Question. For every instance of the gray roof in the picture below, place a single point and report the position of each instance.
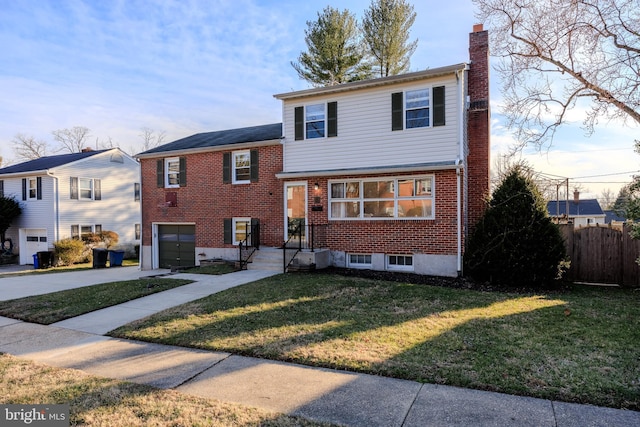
(220, 138)
(582, 207)
(48, 162)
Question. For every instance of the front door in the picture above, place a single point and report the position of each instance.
(176, 245)
(295, 211)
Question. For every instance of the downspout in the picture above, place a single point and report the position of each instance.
(459, 163)
(56, 206)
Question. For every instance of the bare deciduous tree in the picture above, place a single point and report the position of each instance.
(72, 140)
(559, 54)
(26, 147)
(151, 138)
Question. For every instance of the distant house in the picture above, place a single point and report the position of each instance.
(70, 195)
(612, 217)
(580, 211)
(393, 170)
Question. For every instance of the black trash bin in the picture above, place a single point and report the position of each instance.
(45, 259)
(115, 258)
(100, 257)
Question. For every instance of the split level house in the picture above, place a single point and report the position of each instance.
(383, 174)
(69, 195)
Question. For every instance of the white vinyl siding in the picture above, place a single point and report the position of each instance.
(365, 138)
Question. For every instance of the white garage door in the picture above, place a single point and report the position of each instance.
(32, 240)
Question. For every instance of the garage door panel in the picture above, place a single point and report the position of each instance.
(176, 245)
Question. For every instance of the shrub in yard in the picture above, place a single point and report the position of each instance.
(515, 243)
(69, 251)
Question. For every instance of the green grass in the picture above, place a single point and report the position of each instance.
(57, 306)
(579, 345)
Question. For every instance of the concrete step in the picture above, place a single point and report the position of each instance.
(266, 258)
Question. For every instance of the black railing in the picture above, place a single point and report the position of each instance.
(303, 236)
(249, 244)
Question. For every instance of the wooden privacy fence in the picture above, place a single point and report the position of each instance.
(602, 254)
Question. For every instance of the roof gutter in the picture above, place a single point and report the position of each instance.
(373, 170)
(210, 149)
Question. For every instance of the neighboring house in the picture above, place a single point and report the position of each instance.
(612, 217)
(581, 212)
(70, 195)
(394, 170)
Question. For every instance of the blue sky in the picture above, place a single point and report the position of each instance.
(184, 67)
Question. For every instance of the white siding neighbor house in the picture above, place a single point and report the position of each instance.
(70, 195)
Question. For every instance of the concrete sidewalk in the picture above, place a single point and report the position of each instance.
(343, 398)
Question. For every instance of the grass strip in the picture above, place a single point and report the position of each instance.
(56, 306)
(96, 401)
(578, 345)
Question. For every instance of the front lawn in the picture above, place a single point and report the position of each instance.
(57, 306)
(579, 345)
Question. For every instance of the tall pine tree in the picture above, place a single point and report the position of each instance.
(335, 50)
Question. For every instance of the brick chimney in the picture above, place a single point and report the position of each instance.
(478, 126)
(576, 197)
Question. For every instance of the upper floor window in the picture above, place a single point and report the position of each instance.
(418, 108)
(404, 197)
(85, 189)
(316, 121)
(32, 188)
(172, 169)
(171, 172)
(240, 167)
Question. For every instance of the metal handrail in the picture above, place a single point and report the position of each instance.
(250, 245)
(297, 232)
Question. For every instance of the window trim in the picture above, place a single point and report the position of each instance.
(361, 199)
(167, 172)
(437, 108)
(234, 168)
(396, 267)
(236, 220)
(330, 120)
(363, 265)
(81, 188)
(323, 120)
(34, 189)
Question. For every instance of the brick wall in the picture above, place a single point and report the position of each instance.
(478, 125)
(401, 236)
(206, 201)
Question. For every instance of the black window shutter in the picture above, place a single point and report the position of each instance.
(254, 166)
(160, 173)
(396, 111)
(24, 189)
(332, 122)
(136, 191)
(39, 188)
(183, 171)
(228, 231)
(226, 168)
(73, 187)
(438, 106)
(299, 123)
(255, 232)
(1, 188)
(97, 189)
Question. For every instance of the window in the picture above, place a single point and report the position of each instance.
(400, 262)
(98, 228)
(85, 230)
(405, 197)
(32, 190)
(172, 172)
(241, 167)
(75, 231)
(316, 121)
(359, 261)
(241, 226)
(136, 191)
(136, 231)
(86, 188)
(418, 108)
